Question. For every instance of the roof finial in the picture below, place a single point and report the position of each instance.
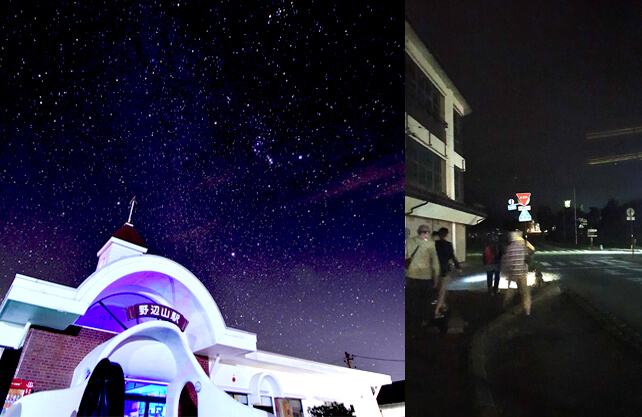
(131, 209)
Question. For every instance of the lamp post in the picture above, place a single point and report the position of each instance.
(567, 204)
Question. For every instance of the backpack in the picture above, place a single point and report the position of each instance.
(489, 255)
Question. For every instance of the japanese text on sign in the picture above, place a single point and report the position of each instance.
(158, 311)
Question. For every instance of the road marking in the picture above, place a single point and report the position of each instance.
(614, 272)
(545, 263)
(568, 268)
(635, 279)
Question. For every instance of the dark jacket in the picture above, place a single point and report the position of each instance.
(445, 253)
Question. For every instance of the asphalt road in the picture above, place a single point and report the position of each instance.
(610, 280)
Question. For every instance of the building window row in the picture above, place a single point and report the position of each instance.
(423, 91)
(458, 142)
(424, 168)
(292, 406)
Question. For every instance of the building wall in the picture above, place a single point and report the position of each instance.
(312, 389)
(459, 241)
(453, 101)
(49, 358)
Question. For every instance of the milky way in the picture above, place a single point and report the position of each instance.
(262, 141)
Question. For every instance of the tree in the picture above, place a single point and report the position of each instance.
(612, 224)
(594, 217)
(546, 218)
(332, 409)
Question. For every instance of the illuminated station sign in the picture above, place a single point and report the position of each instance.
(157, 311)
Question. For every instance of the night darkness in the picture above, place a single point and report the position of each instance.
(539, 76)
(263, 143)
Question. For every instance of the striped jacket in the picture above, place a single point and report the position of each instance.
(514, 259)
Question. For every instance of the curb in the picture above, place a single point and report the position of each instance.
(484, 401)
(607, 321)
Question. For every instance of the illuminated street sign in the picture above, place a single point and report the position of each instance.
(524, 198)
(511, 204)
(525, 216)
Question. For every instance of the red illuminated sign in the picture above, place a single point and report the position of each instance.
(19, 388)
(157, 311)
(524, 198)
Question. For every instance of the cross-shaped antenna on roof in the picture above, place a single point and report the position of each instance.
(131, 209)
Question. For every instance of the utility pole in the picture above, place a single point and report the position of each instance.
(348, 359)
(564, 214)
(575, 214)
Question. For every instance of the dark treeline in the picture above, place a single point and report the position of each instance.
(558, 226)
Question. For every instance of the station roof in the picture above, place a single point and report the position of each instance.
(129, 234)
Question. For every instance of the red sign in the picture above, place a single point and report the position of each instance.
(19, 388)
(524, 198)
(22, 384)
(158, 311)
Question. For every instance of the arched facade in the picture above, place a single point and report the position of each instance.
(159, 323)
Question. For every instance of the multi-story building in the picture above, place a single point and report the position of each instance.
(435, 164)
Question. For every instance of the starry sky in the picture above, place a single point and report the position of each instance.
(261, 139)
(539, 77)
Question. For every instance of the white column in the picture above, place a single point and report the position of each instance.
(450, 143)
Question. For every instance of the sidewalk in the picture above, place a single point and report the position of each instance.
(438, 377)
(560, 361)
(557, 362)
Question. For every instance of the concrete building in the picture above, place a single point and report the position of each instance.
(435, 164)
(149, 323)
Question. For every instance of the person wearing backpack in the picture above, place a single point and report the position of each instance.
(491, 258)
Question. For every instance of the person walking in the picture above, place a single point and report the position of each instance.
(422, 270)
(491, 259)
(446, 255)
(515, 268)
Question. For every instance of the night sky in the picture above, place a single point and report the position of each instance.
(539, 76)
(263, 143)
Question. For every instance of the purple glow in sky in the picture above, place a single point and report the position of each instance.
(258, 139)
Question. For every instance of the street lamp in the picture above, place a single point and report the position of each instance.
(567, 204)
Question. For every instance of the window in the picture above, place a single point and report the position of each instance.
(424, 91)
(297, 408)
(266, 404)
(289, 407)
(144, 398)
(242, 398)
(424, 168)
(459, 147)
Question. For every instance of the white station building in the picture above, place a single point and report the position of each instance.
(156, 321)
